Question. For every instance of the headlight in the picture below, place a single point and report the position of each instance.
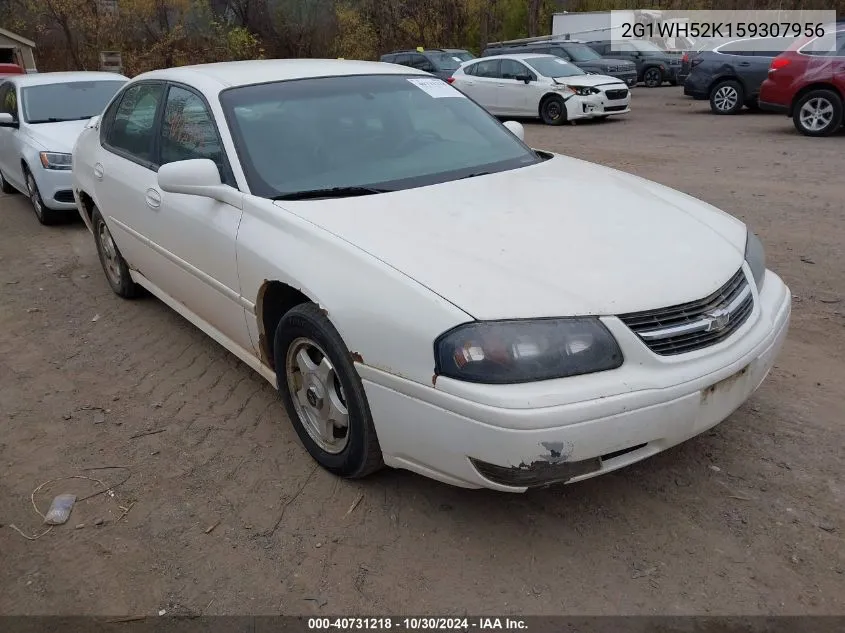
(583, 91)
(755, 255)
(500, 352)
(55, 160)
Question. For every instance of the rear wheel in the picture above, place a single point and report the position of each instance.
(323, 394)
(115, 267)
(553, 110)
(45, 216)
(653, 77)
(726, 97)
(818, 113)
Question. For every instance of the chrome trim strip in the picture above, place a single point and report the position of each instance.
(702, 325)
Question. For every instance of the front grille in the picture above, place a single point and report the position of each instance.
(614, 108)
(65, 195)
(613, 95)
(697, 324)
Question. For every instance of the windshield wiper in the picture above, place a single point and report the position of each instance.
(333, 192)
(51, 120)
(473, 175)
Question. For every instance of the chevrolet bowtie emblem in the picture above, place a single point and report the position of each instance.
(717, 320)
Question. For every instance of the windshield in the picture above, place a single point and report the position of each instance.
(464, 56)
(580, 52)
(381, 131)
(445, 61)
(66, 101)
(553, 67)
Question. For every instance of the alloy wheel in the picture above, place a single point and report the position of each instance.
(816, 114)
(726, 98)
(652, 78)
(110, 256)
(34, 195)
(317, 395)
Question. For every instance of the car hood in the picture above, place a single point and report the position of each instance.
(57, 137)
(589, 80)
(563, 237)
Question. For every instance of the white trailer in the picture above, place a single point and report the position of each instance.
(609, 25)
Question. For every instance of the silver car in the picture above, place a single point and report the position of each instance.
(41, 116)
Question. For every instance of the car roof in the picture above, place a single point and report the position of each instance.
(223, 75)
(41, 79)
(517, 56)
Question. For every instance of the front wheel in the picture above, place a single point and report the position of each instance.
(653, 78)
(115, 267)
(553, 110)
(818, 113)
(323, 394)
(45, 215)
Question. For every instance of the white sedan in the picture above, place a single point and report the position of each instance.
(425, 290)
(541, 86)
(40, 117)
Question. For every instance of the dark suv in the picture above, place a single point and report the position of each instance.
(441, 62)
(730, 75)
(573, 51)
(654, 65)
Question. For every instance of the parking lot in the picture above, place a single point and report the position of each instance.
(223, 511)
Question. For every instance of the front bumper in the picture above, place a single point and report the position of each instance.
(629, 77)
(454, 438)
(595, 106)
(56, 188)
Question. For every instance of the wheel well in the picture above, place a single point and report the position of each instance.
(810, 88)
(275, 299)
(87, 205)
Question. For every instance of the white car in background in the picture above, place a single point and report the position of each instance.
(40, 117)
(544, 86)
(425, 290)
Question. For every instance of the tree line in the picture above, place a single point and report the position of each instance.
(158, 33)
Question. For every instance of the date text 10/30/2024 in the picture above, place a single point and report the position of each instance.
(417, 624)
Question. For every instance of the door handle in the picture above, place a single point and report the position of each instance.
(98, 171)
(744, 64)
(153, 198)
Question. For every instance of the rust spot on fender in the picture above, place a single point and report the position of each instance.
(258, 309)
(356, 357)
(323, 310)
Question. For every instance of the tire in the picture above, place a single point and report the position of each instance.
(45, 216)
(5, 187)
(331, 415)
(652, 77)
(114, 266)
(553, 110)
(727, 97)
(818, 113)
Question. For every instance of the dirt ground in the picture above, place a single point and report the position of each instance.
(228, 515)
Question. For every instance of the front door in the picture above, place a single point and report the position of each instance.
(515, 94)
(194, 236)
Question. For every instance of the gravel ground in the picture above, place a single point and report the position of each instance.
(227, 513)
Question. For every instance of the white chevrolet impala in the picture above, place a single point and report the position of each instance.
(424, 289)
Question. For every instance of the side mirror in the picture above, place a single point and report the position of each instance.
(516, 129)
(526, 78)
(197, 177)
(7, 120)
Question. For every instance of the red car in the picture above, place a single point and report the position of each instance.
(11, 69)
(807, 82)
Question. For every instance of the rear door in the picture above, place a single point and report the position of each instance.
(482, 85)
(753, 68)
(839, 62)
(125, 171)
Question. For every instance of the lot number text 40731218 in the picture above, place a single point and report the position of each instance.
(417, 624)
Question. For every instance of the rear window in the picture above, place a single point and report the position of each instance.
(821, 46)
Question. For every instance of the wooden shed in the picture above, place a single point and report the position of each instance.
(15, 49)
